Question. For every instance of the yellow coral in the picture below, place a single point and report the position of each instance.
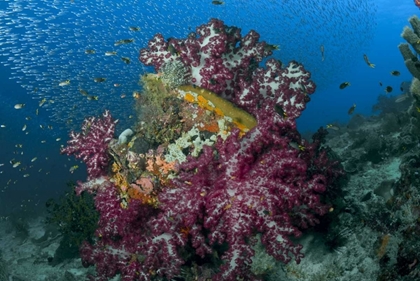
(115, 167)
(212, 102)
(130, 192)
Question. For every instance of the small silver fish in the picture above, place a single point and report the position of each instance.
(110, 53)
(93, 97)
(99, 79)
(64, 83)
(126, 60)
(41, 102)
(19, 105)
(73, 168)
(124, 41)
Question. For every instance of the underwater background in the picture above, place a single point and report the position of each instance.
(45, 43)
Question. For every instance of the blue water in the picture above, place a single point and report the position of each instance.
(331, 104)
(43, 43)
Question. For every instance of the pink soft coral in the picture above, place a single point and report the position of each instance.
(91, 143)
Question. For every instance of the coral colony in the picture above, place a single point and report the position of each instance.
(91, 143)
(224, 164)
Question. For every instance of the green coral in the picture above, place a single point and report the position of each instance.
(160, 107)
(75, 216)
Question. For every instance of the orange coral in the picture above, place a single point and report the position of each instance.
(136, 193)
(158, 166)
(212, 127)
(143, 190)
(207, 122)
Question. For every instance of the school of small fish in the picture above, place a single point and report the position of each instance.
(71, 72)
(53, 63)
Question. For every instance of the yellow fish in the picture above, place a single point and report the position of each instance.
(41, 102)
(365, 57)
(73, 168)
(332, 127)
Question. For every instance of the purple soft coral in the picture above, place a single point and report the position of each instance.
(260, 183)
(265, 182)
(91, 143)
(122, 243)
(215, 54)
(257, 184)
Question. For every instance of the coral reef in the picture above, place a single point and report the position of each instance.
(380, 203)
(227, 168)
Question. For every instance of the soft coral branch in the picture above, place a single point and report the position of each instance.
(91, 143)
